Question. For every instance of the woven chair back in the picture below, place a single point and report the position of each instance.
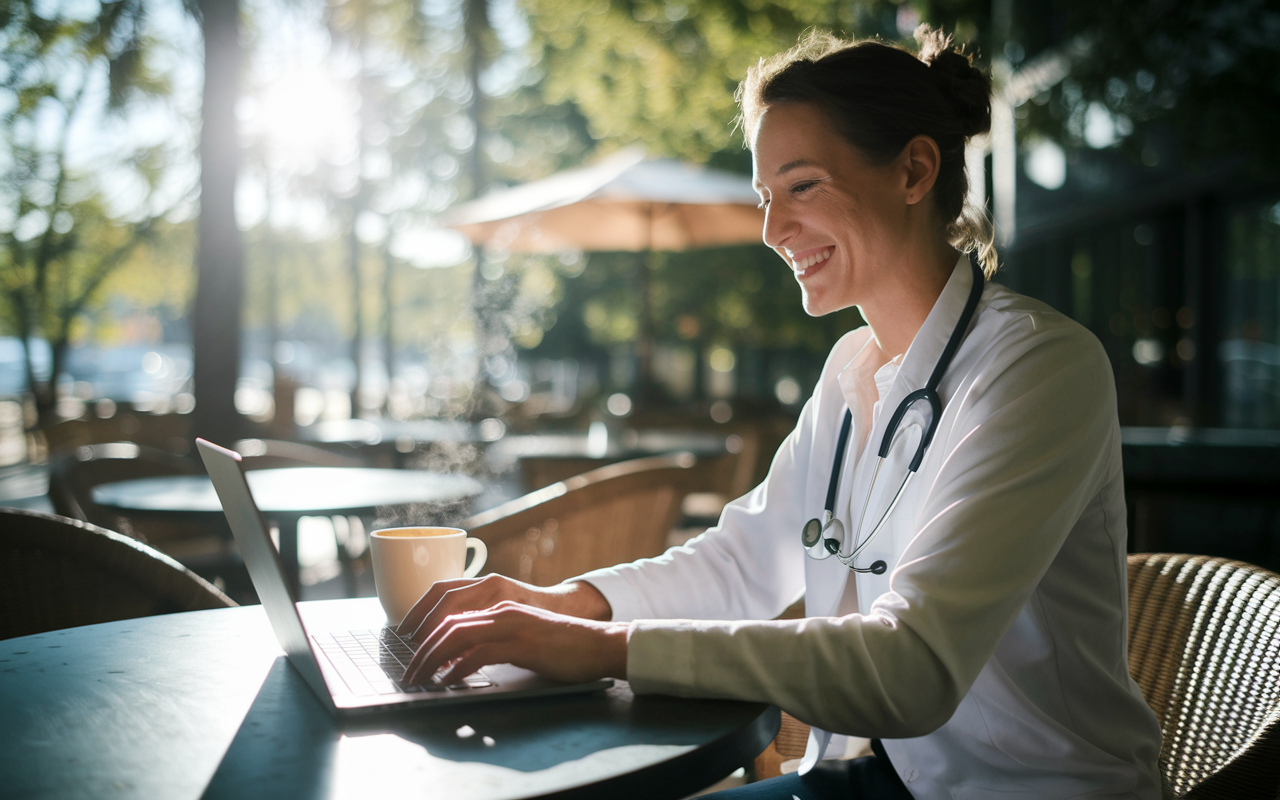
(1204, 646)
(74, 473)
(59, 573)
(611, 515)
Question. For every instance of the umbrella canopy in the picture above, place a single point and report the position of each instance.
(628, 203)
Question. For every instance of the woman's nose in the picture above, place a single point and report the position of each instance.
(778, 227)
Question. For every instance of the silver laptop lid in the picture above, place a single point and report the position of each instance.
(263, 561)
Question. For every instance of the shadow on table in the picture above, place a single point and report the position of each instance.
(289, 746)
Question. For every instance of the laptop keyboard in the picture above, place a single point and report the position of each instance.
(372, 662)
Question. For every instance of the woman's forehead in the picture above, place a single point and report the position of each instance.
(791, 135)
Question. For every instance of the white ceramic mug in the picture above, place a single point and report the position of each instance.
(406, 561)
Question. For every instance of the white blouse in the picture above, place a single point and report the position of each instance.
(990, 657)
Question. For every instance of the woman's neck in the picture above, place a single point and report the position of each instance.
(903, 301)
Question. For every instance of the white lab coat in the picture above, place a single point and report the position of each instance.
(990, 657)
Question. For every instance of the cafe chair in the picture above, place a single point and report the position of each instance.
(202, 543)
(164, 431)
(1204, 647)
(58, 573)
(74, 473)
(609, 515)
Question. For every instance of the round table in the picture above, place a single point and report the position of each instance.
(204, 704)
(287, 494)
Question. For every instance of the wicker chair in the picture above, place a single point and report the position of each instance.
(74, 473)
(1204, 646)
(59, 573)
(202, 542)
(611, 515)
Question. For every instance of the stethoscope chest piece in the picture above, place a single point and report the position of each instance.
(811, 534)
(822, 539)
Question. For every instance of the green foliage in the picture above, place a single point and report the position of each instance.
(663, 74)
(70, 225)
(1206, 70)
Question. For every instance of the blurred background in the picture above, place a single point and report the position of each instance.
(231, 219)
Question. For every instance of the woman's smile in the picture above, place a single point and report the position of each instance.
(808, 262)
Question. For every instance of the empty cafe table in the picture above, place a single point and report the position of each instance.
(286, 495)
(204, 705)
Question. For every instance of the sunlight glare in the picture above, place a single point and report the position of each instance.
(306, 111)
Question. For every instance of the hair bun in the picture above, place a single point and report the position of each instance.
(967, 87)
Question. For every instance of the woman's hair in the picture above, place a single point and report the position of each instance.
(879, 97)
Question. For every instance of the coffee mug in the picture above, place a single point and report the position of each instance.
(406, 561)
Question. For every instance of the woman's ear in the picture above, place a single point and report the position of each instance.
(921, 160)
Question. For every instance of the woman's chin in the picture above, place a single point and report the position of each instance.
(819, 304)
(816, 304)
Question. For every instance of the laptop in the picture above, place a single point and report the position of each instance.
(358, 671)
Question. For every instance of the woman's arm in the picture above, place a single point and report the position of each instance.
(1031, 449)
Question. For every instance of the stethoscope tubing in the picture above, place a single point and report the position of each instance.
(823, 546)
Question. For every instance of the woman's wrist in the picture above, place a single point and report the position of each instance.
(580, 599)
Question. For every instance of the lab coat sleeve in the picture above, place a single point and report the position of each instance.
(1029, 448)
(747, 567)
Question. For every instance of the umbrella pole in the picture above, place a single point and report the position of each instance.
(645, 393)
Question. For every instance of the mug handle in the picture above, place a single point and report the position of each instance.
(477, 559)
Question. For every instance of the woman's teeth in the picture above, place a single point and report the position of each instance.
(817, 258)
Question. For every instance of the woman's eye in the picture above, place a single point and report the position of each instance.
(803, 186)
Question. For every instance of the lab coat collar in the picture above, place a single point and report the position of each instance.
(921, 356)
(927, 346)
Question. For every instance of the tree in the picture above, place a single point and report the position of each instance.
(1206, 71)
(216, 310)
(66, 233)
(663, 75)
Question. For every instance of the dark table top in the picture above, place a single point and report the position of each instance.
(293, 490)
(204, 704)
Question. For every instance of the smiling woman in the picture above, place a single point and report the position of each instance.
(974, 626)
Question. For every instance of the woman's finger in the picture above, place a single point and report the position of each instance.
(429, 600)
(450, 641)
(484, 594)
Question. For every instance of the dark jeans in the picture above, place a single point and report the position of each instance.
(869, 778)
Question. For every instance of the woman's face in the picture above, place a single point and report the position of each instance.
(833, 216)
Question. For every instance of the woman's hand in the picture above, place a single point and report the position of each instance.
(446, 598)
(559, 646)
(556, 631)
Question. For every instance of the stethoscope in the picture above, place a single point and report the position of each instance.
(825, 538)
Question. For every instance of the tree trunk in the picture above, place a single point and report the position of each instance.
(216, 316)
(476, 29)
(357, 304)
(388, 320)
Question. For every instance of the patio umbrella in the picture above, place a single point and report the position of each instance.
(626, 203)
